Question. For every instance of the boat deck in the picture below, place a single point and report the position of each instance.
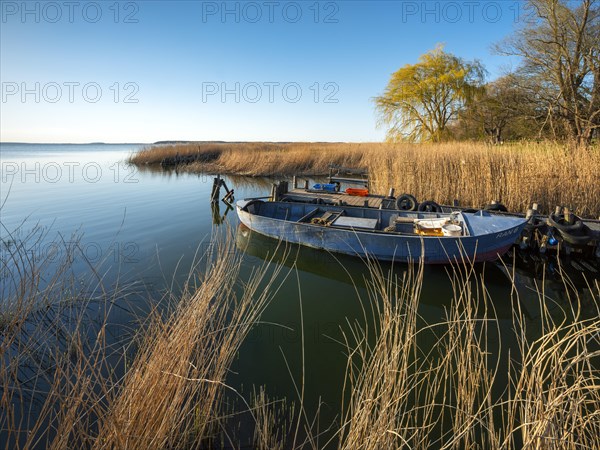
(338, 198)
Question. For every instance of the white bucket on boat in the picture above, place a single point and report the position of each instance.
(451, 229)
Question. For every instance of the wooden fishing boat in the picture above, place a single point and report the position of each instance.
(387, 235)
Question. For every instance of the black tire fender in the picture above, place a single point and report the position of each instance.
(574, 226)
(430, 206)
(406, 202)
(577, 240)
(536, 223)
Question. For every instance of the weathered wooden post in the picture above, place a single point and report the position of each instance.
(229, 197)
(216, 188)
(283, 187)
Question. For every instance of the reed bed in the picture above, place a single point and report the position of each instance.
(55, 363)
(404, 394)
(445, 395)
(516, 174)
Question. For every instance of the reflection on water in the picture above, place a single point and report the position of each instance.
(560, 283)
(215, 208)
(239, 182)
(437, 287)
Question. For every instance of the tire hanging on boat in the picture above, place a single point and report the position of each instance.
(573, 225)
(406, 202)
(430, 206)
(573, 231)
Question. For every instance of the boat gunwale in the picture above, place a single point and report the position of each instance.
(382, 232)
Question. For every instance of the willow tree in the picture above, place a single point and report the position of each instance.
(422, 99)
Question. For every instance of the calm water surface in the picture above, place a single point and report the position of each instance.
(146, 227)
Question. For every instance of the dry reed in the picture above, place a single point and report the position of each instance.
(54, 358)
(171, 395)
(403, 394)
(516, 174)
(58, 384)
(273, 421)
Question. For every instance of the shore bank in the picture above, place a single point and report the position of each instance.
(474, 173)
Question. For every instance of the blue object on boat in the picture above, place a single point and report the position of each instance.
(387, 235)
(325, 187)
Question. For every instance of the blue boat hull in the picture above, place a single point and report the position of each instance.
(380, 245)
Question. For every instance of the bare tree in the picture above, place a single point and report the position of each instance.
(506, 108)
(560, 47)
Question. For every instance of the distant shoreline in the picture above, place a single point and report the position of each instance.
(178, 142)
(76, 143)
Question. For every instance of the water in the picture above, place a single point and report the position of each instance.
(146, 227)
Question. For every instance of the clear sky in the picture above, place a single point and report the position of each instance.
(141, 71)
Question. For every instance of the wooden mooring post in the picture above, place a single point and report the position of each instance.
(216, 191)
(278, 190)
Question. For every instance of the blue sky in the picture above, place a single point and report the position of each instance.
(141, 71)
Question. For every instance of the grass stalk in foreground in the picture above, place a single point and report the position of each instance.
(59, 384)
(170, 397)
(55, 364)
(406, 395)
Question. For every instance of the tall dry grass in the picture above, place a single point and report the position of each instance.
(55, 361)
(64, 384)
(516, 175)
(257, 158)
(444, 394)
(171, 395)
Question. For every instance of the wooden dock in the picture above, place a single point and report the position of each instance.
(337, 198)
